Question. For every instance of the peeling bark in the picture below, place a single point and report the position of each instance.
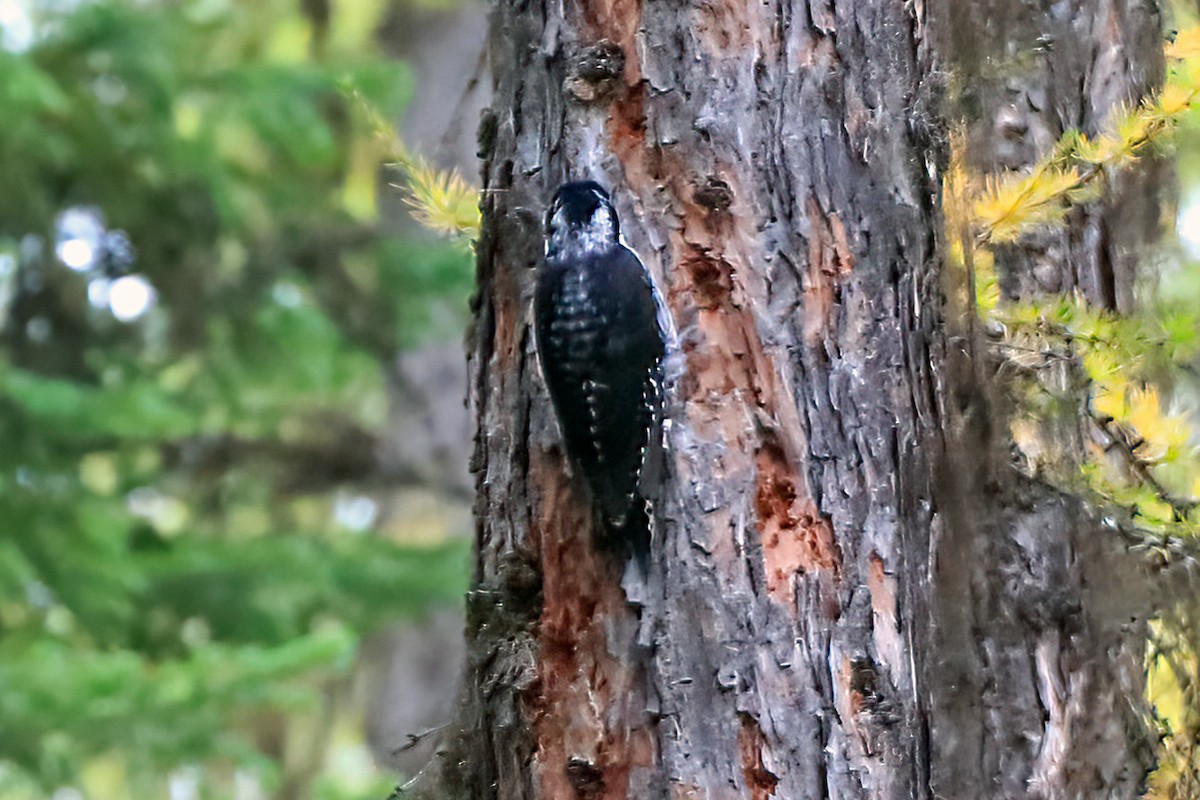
(850, 594)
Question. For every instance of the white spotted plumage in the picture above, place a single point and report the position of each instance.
(601, 332)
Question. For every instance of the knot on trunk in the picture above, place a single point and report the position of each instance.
(714, 194)
(595, 72)
(586, 778)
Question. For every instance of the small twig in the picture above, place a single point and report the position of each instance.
(1038, 351)
(415, 739)
(1141, 468)
(400, 789)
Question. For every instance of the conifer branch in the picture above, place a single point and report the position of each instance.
(1002, 208)
(441, 200)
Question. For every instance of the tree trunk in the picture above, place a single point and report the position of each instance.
(852, 593)
(1054, 616)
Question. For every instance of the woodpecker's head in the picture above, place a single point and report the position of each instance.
(581, 220)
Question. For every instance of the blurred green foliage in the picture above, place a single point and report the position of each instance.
(171, 573)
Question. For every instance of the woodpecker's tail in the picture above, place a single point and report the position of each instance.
(629, 537)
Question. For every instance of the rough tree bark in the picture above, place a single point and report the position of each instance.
(853, 594)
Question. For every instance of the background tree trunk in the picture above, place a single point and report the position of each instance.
(853, 593)
(1026, 72)
(1052, 627)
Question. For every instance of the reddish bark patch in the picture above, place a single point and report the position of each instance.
(627, 126)
(724, 25)
(849, 700)
(589, 723)
(711, 278)
(507, 331)
(883, 592)
(885, 612)
(830, 261)
(796, 538)
(856, 698)
(729, 369)
(759, 780)
(729, 360)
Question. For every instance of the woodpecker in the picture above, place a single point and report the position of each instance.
(601, 333)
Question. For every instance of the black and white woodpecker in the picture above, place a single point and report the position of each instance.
(602, 333)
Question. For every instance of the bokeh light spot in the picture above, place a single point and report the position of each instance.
(1188, 227)
(130, 297)
(78, 254)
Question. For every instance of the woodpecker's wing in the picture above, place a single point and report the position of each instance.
(601, 345)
